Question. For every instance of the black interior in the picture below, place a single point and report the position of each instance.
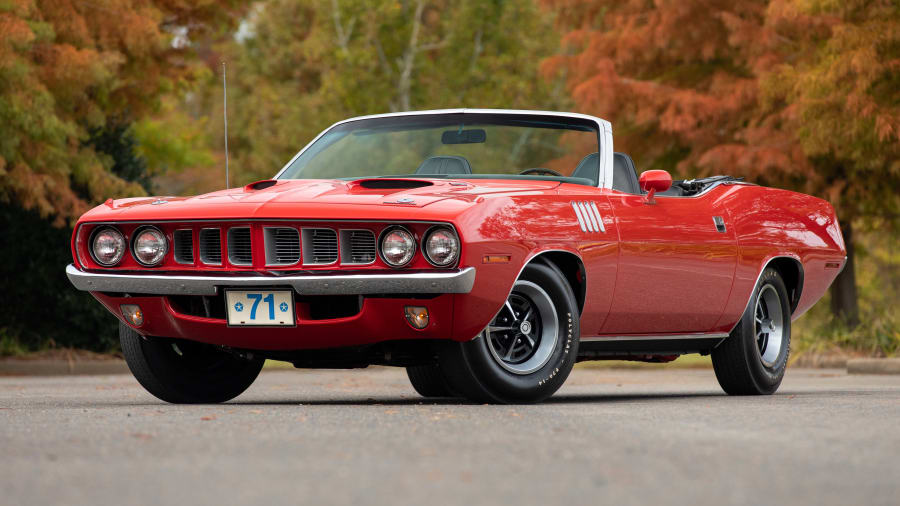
(625, 177)
(589, 168)
(444, 165)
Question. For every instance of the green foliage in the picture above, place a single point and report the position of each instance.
(173, 141)
(66, 70)
(303, 65)
(117, 141)
(878, 334)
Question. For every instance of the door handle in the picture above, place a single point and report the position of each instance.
(720, 223)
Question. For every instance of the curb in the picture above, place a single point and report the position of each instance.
(38, 367)
(873, 366)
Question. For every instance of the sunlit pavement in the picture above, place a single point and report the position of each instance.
(364, 437)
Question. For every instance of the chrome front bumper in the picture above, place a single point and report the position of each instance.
(348, 284)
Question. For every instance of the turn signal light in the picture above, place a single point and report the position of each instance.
(417, 316)
(132, 314)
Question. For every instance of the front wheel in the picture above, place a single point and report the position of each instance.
(527, 351)
(752, 360)
(186, 372)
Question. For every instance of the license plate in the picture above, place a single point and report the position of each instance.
(260, 307)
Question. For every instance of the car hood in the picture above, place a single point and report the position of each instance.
(313, 198)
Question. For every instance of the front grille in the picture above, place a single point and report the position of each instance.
(282, 246)
(357, 247)
(183, 248)
(240, 249)
(211, 246)
(320, 246)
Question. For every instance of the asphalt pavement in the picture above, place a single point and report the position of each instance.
(363, 437)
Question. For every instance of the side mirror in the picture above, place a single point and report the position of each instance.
(653, 181)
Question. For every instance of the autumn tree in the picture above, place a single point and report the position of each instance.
(300, 65)
(78, 80)
(68, 66)
(795, 93)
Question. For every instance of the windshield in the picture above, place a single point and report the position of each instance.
(458, 145)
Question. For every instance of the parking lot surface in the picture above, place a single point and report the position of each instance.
(364, 437)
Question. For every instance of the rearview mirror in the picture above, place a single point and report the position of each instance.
(475, 136)
(653, 181)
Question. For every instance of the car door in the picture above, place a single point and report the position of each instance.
(676, 264)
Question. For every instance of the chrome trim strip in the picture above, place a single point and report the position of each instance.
(604, 133)
(594, 217)
(588, 217)
(346, 284)
(578, 215)
(651, 337)
(593, 206)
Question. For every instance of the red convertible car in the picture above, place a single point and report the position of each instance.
(487, 251)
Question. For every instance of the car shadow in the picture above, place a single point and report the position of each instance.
(556, 400)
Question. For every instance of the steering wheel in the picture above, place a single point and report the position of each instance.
(540, 170)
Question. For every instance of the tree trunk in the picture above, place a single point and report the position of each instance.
(844, 302)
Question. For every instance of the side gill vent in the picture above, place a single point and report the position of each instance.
(282, 245)
(320, 246)
(357, 247)
(183, 248)
(589, 218)
(240, 250)
(211, 246)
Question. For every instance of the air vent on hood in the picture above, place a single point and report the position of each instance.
(261, 185)
(393, 184)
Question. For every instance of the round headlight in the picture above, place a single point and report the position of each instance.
(397, 247)
(441, 247)
(150, 246)
(108, 246)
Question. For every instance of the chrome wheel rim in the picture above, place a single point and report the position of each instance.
(768, 325)
(523, 335)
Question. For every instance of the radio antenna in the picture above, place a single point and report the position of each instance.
(225, 116)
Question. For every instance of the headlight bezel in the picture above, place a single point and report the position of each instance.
(383, 236)
(137, 234)
(425, 253)
(93, 238)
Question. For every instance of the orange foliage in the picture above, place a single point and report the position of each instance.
(800, 93)
(68, 65)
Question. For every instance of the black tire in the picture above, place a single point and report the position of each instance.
(186, 372)
(739, 360)
(477, 372)
(428, 381)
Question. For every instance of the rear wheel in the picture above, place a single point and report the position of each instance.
(752, 360)
(428, 381)
(186, 372)
(527, 351)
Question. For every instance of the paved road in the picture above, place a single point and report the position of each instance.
(363, 437)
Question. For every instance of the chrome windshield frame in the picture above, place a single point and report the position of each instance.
(604, 133)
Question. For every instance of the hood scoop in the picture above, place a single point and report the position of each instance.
(392, 184)
(260, 185)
